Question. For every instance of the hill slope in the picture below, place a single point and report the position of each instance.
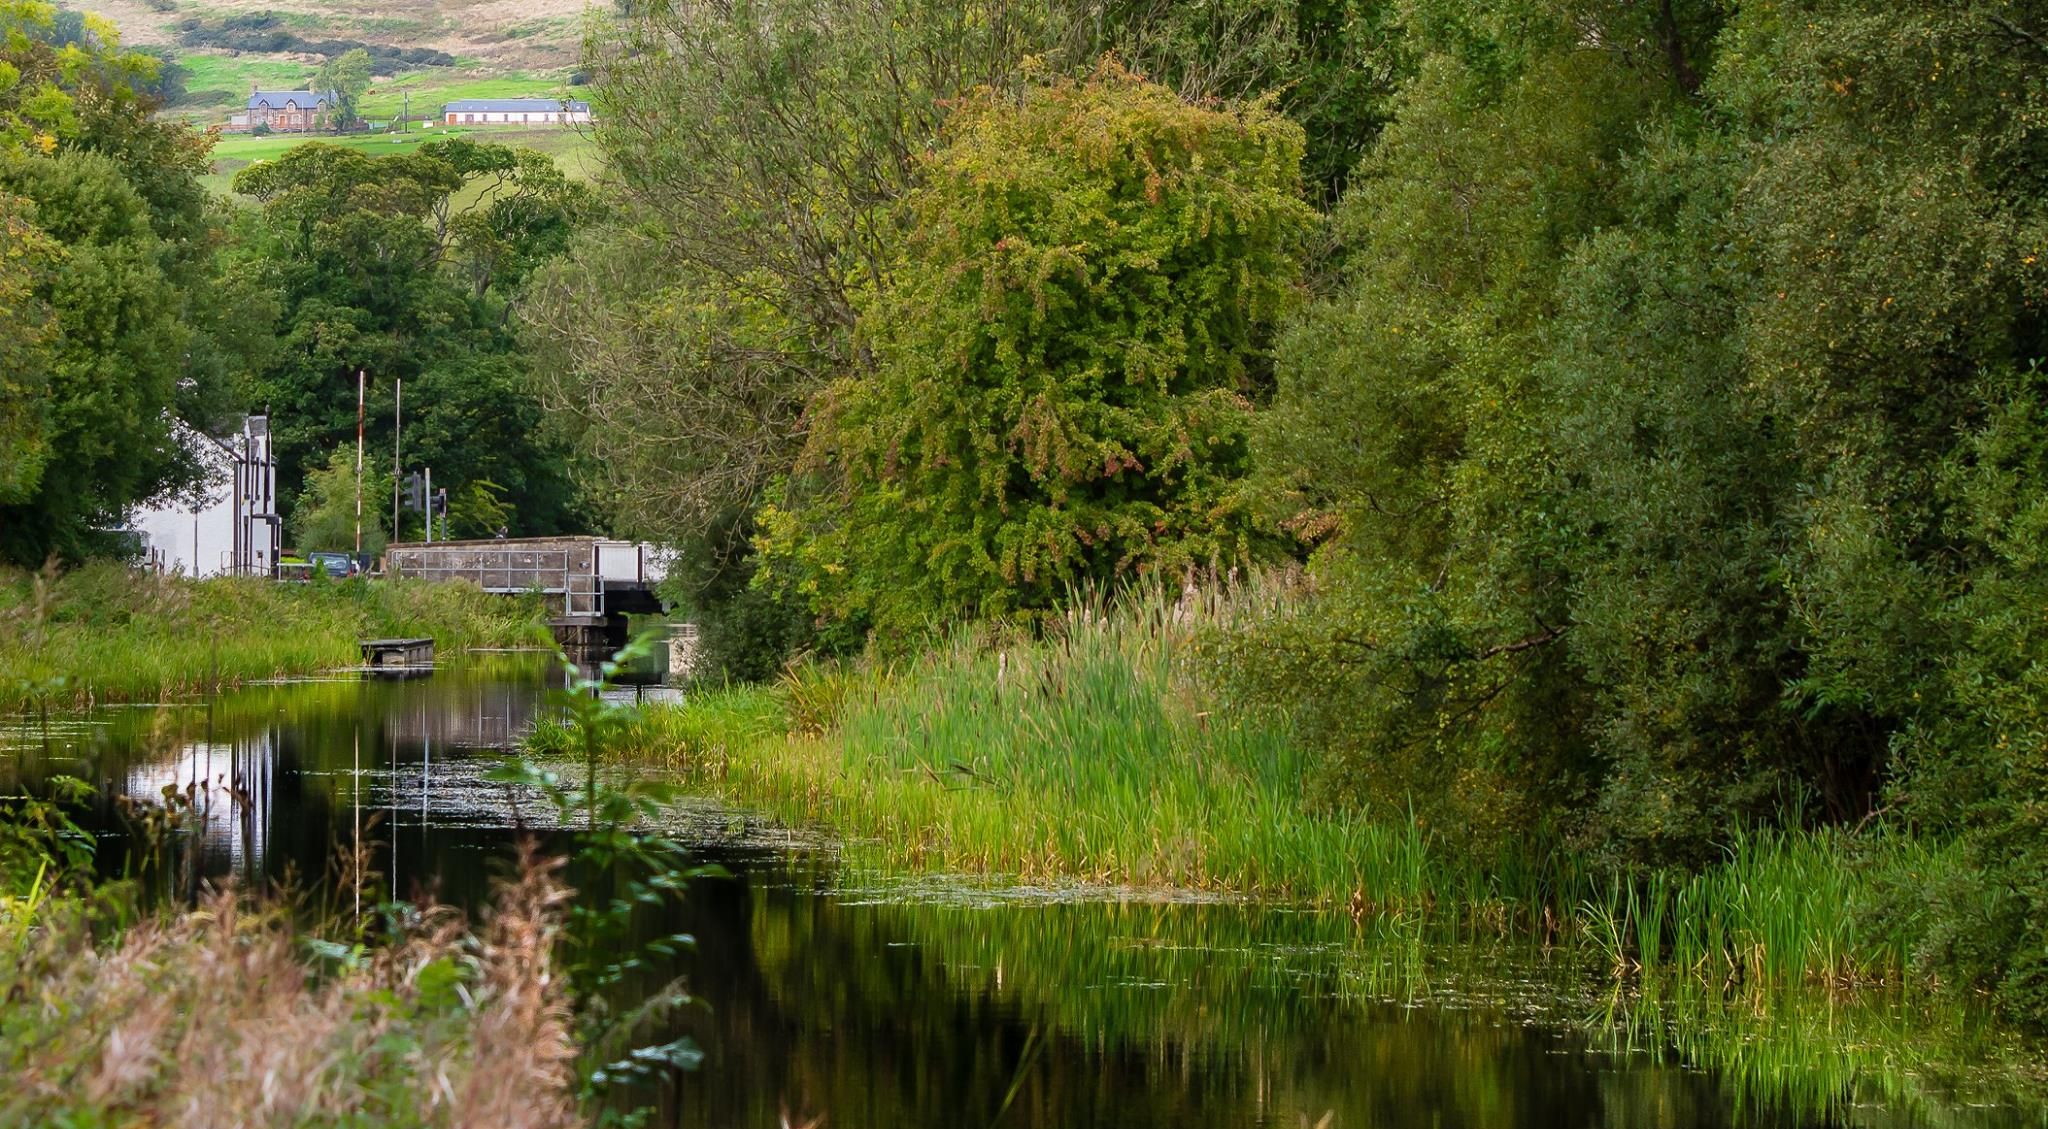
(479, 48)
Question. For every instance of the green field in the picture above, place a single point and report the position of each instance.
(573, 150)
(428, 89)
(218, 84)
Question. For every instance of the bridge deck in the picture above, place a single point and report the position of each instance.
(579, 576)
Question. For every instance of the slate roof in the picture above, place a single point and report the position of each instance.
(514, 106)
(284, 99)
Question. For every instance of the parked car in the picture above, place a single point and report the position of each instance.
(335, 565)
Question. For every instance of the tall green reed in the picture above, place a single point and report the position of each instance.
(1097, 751)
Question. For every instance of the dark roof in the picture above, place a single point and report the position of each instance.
(279, 99)
(514, 105)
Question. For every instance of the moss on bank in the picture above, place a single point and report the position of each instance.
(105, 632)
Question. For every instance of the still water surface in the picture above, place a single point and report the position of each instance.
(877, 1001)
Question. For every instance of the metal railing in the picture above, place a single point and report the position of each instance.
(513, 570)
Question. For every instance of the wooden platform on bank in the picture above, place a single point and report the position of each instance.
(398, 653)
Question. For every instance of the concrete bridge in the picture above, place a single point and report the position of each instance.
(590, 584)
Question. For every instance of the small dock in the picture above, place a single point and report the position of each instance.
(398, 654)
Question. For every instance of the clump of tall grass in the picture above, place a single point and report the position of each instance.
(104, 631)
(217, 1017)
(1098, 751)
(1781, 906)
(1090, 752)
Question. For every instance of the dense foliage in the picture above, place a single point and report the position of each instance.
(1066, 360)
(400, 267)
(115, 345)
(1672, 443)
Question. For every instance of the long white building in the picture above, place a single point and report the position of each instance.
(515, 111)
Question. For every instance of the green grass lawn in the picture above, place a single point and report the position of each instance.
(574, 151)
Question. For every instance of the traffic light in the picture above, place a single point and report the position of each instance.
(415, 492)
(441, 501)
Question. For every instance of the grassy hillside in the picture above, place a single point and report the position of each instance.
(496, 48)
(485, 36)
(493, 48)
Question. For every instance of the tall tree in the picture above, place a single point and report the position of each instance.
(346, 76)
(1069, 351)
(112, 242)
(402, 267)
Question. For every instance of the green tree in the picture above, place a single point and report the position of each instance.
(761, 163)
(325, 517)
(111, 243)
(347, 76)
(25, 255)
(403, 267)
(1067, 359)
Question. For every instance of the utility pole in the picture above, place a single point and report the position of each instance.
(235, 490)
(397, 414)
(359, 460)
(405, 115)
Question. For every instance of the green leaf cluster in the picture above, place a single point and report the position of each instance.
(1067, 358)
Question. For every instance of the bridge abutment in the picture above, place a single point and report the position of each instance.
(589, 635)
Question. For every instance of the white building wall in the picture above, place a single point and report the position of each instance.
(194, 544)
(199, 540)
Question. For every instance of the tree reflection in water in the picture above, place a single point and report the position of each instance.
(878, 1003)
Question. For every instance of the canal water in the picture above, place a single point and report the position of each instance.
(826, 991)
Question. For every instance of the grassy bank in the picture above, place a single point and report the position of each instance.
(104, 632)
(1097, 755)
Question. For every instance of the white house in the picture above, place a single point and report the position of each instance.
(231, 527)
(515, 111)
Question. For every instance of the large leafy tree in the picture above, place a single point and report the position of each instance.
(347, 77)
(1068, 355)
(115, 348)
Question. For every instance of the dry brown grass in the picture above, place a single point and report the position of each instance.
(502, 34)
(219, 1017)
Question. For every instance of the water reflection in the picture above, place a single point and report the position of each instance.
(880, 1002)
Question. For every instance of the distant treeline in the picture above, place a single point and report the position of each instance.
(264, 32)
